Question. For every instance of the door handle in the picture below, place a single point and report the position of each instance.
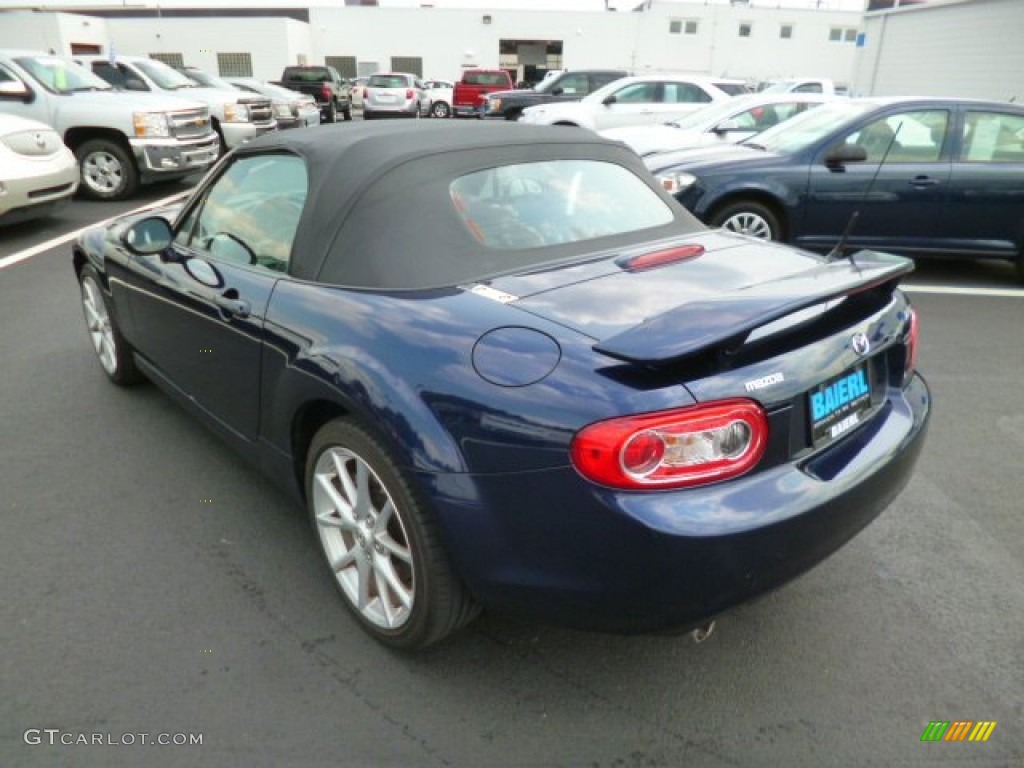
(231, 305)
(924, 181)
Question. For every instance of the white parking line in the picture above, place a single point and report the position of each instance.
(1012, 293)
(28, 253)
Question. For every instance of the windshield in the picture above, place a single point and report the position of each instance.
(803, 130)
(62, 76)
(712, 114)
(166, 78)
(783, 86)
(208, 80)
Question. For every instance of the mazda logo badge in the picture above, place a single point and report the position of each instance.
(861, 344)
(40, 141)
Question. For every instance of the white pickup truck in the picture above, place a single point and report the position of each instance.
(237, 116)
(120, 139)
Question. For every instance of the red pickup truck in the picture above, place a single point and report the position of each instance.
(469, 95)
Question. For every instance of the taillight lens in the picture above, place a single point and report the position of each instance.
(408, 93)
(365, 93)
(325, 92)
(911, 342)
(673, 449)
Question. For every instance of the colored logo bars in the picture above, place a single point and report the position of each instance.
(958, 730)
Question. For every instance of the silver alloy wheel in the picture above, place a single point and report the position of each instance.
(364, 538)
(748, 223)
(103, 172)
(439, 109)
(98, 322)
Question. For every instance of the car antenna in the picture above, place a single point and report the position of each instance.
(837, 251)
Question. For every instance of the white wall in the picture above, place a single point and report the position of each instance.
(273, 42)
(717, 49)
(449, 39)
(970, 49)
(50, 31)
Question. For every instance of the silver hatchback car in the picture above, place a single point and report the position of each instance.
(394, 94)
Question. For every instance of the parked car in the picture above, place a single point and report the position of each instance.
(820, 85)
(565, 86)
(120, 139)
(470, 92)
(355, 90)
(630, 101)
(951, 183)
(236, 117)
(571, 401)
(732, 86)
(38, 174)
(440, 95)
(291, 108)
(726, 122)
(332, 92)
(394, 94)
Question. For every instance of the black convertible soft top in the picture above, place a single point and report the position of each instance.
(379, 214)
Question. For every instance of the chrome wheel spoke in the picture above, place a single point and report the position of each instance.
(363, 588)
(340, 513)
(344, 560)
(394, 548)
(386, 572)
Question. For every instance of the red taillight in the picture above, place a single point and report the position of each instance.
(365, 93)
(673, 449)
(911, 344)
(325, 92)
(660, 258)
(408, 93)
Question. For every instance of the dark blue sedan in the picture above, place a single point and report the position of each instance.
(930, 178)
(502, 368)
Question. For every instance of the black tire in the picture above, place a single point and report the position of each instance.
(347, 113)
(440, 109)
(108, 170)
(1019, 265)
(367, 115)
(513, 114)
(371, 541)
(332, 113)
(112, 351)
(749, 217)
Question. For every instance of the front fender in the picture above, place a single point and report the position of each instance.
(713, 197)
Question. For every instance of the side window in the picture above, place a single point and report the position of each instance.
(600, 81)
(637, 93)
(685, 93)
(914, 137)
(992, 137)
(808, 88)
(250, 213)
(574, 84)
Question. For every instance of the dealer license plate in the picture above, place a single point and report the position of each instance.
(840, 404)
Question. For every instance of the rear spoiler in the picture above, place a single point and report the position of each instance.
(700, 325)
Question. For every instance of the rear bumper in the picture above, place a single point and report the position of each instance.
(551, 547)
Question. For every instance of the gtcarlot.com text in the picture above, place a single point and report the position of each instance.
(57, 737)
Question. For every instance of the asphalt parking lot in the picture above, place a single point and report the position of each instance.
(156, 584)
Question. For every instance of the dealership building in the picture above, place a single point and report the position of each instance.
(918, 47)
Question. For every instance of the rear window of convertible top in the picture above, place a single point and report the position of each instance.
(432, 226)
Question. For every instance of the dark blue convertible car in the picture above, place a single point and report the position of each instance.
(502, 368)
(928, 178)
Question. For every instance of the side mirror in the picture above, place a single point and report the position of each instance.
(727, 125)
(147, 236)
(15, 90)
(842, 154)
(609, 100)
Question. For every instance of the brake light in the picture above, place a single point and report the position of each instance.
(408, 93)
(365, 93)
(660, 258)
(911, 342)
(325, 92)
(673, 449)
